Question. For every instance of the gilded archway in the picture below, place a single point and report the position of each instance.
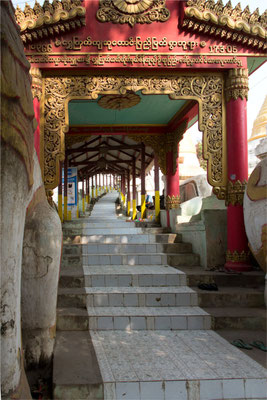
(206, 88)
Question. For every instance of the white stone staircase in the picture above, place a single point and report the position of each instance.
(150, 339)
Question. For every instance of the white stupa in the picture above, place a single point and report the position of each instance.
(259, 132)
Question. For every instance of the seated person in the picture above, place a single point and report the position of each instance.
(149, 201)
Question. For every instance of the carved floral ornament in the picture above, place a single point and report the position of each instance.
(172, 202)
(228, 23)
(132, 11)
(161, 144)
(36, 83)
(206, 88)
(50, 19)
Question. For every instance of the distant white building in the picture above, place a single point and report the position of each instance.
(259, 131)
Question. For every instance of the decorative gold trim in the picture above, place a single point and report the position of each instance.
(163, 143)
(206, 88)
(36, 83)
(53, 19)
(237, 84)
(220, 192)
(132, 11)
(172, 202)
(119, 101)
(235, 193)
(235, 256)
(226, 22)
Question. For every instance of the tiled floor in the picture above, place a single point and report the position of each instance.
(150, 338)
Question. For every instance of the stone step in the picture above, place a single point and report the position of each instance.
(124, 248)
(76, 374)
(121, 275)
(101, 224)
(196, 275)
(127, 276)
(231, 296)
(131, 239)
(134, 318)
(102, 231)
(238, 318)
(177, 260)
(179, 296)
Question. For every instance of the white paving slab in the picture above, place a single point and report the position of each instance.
(174, 365)
(151, 340)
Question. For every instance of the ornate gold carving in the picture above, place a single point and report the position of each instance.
(41, 22)
(172, 202)
(235, 193)
(156, 142)
(163, 143)
(220, 192)
(36, 83)
(227, 22)
(49, 195)
(132, 11)
(235, 256)
(119, 101)
(206, 88)
(237, 84)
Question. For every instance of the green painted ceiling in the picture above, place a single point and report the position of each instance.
(152, 109)
(254, 63)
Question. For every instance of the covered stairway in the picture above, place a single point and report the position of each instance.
(128, 327)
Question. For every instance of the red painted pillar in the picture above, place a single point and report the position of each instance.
(128, 194)
(172, 180)
(134, 191)
(36, 94)
(143, 182)
(237, 256)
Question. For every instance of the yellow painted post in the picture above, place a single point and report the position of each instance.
(134, 209)
(128, 208)
(143, 205)
(69, 215)
(77, 211)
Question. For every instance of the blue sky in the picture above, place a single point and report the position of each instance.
(257, 81)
